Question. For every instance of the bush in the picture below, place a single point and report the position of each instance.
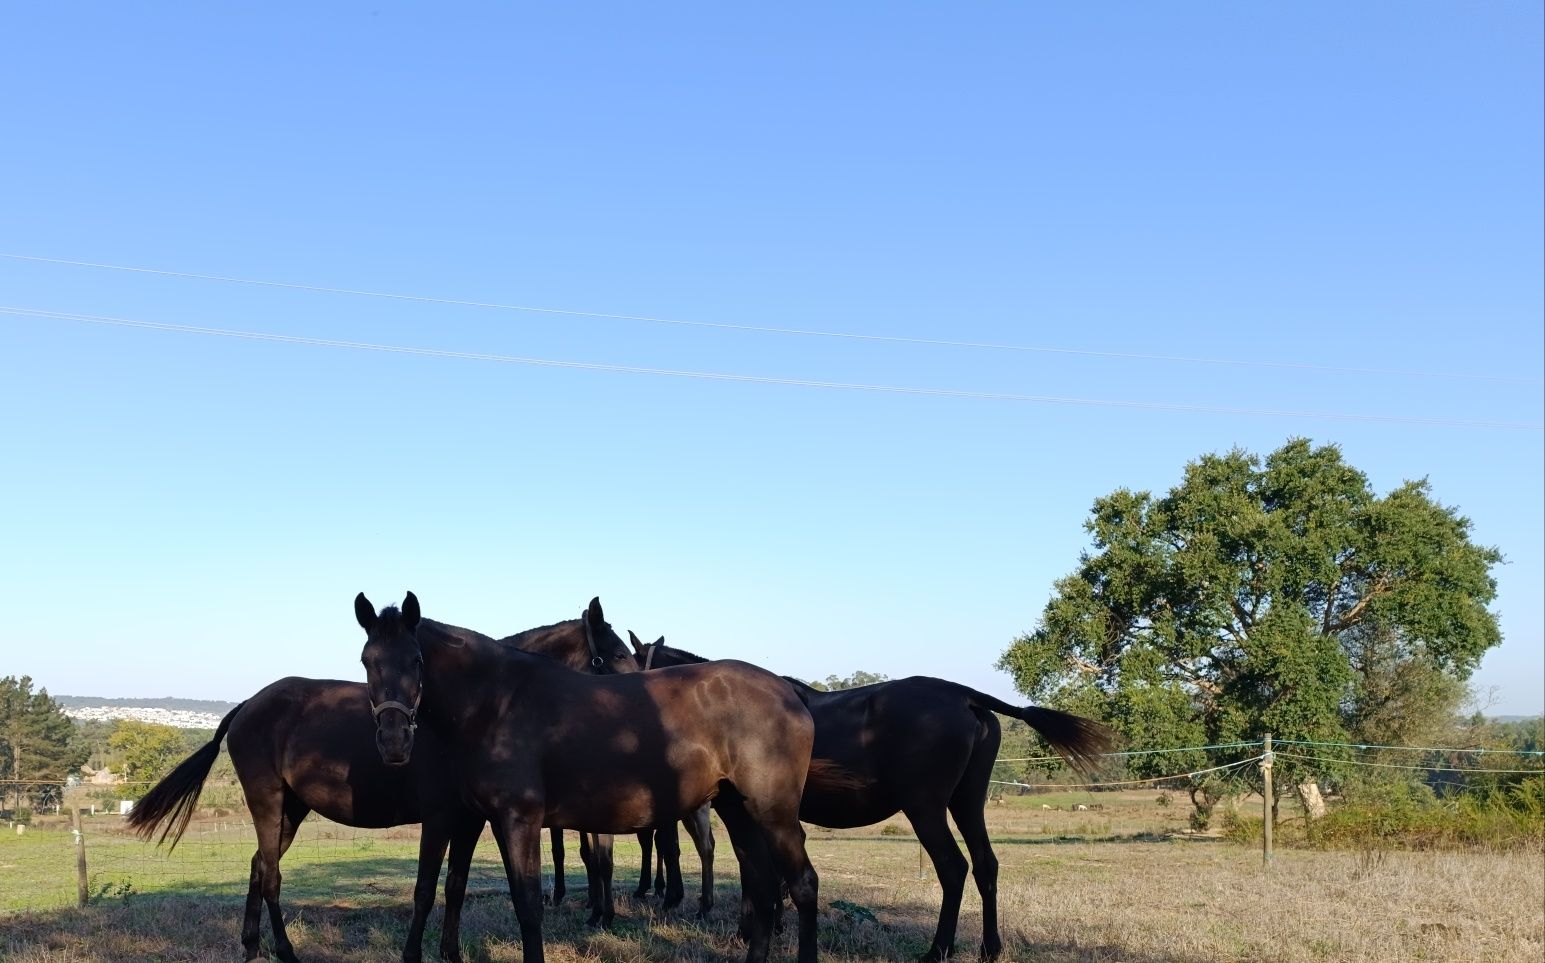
(1409, 816)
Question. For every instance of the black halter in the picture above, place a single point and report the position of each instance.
(595, 656)
(410, 711)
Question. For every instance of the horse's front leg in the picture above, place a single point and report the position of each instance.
(520, 834)
(432, 841)
(560, 887)
(599, 867)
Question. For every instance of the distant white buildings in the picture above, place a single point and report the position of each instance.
(177, 718)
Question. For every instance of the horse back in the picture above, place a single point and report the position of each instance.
(314, 740)
(623, 752)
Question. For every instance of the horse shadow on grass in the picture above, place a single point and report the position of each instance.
(363, 915)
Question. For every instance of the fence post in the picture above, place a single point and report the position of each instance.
(1266, 802)
(80, 860)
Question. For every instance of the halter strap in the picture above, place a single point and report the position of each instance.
(410, 711)
(595, 657)
(649, 659)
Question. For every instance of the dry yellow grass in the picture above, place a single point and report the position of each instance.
(1185, 900)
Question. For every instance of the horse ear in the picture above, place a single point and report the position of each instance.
(638, 647)
(364, 612)
(660, 640)
(410, 612)
(594, 612)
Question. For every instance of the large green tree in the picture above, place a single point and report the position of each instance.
(146, 750)
(1278, 594)
(859, 678)
(36, 738)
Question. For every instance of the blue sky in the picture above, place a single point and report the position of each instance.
(1346, 186)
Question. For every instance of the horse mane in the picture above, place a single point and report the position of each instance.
(528, 634)
(800, 685)
(684, 654)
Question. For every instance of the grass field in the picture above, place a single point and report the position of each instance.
(1075, 886)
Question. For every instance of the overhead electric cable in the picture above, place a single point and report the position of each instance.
(771, 329)
(754, 379)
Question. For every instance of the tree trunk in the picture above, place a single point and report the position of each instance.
(1313, 803)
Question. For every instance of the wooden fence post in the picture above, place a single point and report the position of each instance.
(1266, 802)
(80, 860)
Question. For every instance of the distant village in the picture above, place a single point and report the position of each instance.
(177, 718)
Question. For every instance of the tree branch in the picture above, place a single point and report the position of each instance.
(1355, 613)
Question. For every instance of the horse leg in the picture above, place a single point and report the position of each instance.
(250, 940)
(785, 840)
(757, 887)
(646, 843)
(599, 873)
(433, 837)
(700, 828)
(463, 841)
(659, 868)
(968, 806)
(933, 832)
(280, 833)
(668, 841)
(520, 837)
(559, 889)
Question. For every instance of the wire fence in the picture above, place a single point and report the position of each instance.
(41, 848)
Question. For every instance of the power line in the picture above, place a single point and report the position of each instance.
(1372, 746)
(754, 379)
(1145, 752)
(1129, 782)
(769, 329)
(1391, 765)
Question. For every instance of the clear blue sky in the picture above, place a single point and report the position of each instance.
(1352, 185)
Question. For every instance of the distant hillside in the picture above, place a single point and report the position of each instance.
(211, 706)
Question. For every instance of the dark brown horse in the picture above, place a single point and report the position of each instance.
(667, 871)
(538, 745)
(303, 745)
(922, 747)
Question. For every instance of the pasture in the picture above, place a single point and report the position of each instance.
(1117, 883)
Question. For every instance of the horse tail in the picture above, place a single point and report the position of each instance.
(826, 776)
(1079, 741)
(172, 800)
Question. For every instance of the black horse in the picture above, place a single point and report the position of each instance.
(923, 747)
(303, 745)
(538, 745)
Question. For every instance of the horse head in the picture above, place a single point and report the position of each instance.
(394, 674)
(658, 655)
(608, 654)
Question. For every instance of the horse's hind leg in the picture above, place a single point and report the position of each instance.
(668, 840)
(276, 819)
(700, 828)
(646, 843)
(786, 844)
(933, 832)
(968, 806)
(758, 885)
(599, 867)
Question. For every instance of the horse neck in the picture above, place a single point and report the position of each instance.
(563, 642)
(665, 657)
(458, 674)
